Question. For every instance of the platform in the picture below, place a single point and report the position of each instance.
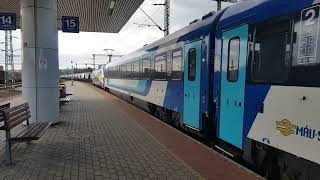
(103, 137)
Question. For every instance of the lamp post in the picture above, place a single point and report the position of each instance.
(109, 53)
(72, 69)
(166, 5)
(219, 3)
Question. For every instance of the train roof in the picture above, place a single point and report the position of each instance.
(193, 30)
(252, 11)
(245, 11)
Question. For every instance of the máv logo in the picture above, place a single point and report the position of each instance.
(285, 127)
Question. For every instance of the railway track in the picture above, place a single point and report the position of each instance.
(14, 85)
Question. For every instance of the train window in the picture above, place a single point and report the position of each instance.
(118, 72)
(110, 72)
(233, 59)
(177, 64)
(123, 71)
(113, 72)
(145, 68)
(129, 71)
(160, 67)
(306, 37)
(135, 70)
(305, 68)
(192, 60)
(271, 58)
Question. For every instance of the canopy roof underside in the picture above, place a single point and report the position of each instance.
(95, 15)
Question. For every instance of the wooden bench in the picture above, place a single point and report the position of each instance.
(69, 94)
(3, 107)
(62, 89)
(63, 95)
(64, 100)
(12, 117)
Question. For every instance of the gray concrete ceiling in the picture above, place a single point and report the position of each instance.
(95, 15)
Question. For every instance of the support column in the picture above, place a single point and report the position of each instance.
(40, 64)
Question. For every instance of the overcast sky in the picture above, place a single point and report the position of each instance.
(80, 47)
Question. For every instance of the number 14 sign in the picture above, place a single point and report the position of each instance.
(70, 24)
(8, 21)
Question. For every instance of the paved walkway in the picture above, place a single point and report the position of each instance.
(95, 140)
(103, 137)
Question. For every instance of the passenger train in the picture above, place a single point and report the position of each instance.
(246, 79)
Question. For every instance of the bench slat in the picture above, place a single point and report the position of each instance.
(28, 129)
(33, 130)
(1, 117)
(38, 130)
(5, 106)
(17, 117)
(35, 134)
(17, 122)
(17, 112)
(40, 133)
(7, 111)
(65, 99)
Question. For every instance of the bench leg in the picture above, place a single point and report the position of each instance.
(8, 148)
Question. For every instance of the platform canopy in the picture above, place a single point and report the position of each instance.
(95, 15)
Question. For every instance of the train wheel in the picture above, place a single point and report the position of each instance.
(270, 167)
(160, 113)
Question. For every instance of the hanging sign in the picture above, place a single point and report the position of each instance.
(70, 24)
(8, 21)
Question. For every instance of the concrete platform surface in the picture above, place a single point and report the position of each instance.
(103, 137)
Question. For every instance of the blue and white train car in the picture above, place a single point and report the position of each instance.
(246, 78)
(156, 74)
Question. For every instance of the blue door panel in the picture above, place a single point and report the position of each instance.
(232, 93)
(191, 113)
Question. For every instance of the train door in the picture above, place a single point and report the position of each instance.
(234, 55)
(192, 67)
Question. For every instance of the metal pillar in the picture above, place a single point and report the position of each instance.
(166, 17)
(9, 66)
(110, 58)
(219, 5)
(40, 67)
(94, 61)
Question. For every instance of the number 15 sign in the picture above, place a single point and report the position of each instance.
(70, 24)
(8, 21)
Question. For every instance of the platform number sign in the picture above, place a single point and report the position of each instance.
(308, 36)
(8, 21)
(70, 24)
